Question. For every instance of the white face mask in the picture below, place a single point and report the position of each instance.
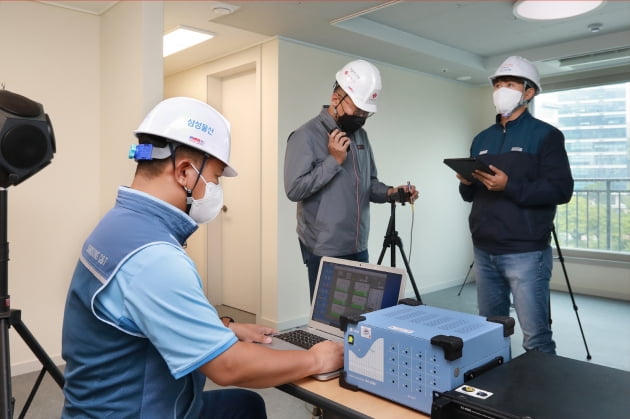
(207, 208)
(506, 100)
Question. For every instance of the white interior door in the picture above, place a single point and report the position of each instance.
(240, 221)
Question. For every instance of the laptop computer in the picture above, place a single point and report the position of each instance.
(343, 287)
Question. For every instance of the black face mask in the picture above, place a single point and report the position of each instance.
(350, 123)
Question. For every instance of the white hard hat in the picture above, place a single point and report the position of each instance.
(362, 82)
(193, 123)
(516, 66)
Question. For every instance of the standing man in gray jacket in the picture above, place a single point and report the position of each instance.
(329, 171)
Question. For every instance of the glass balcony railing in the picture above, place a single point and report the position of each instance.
(597, 217)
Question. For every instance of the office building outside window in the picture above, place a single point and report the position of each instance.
(594, 121)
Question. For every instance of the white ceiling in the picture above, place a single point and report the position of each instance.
(451, 39)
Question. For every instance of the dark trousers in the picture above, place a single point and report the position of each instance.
(233, 403)
(312, 263)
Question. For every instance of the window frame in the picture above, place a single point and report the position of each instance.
(578, 81)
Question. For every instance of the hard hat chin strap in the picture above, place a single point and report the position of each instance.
(339, 104)
(189, 197)
(525, 87)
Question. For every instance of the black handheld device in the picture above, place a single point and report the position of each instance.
(328, 130)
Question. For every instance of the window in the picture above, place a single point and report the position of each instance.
(594, 121)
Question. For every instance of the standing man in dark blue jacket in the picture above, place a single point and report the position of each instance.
(513, 209)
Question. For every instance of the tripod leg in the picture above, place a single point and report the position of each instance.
(411, 278)
(465, 278)
(566, 277)
(380, 258)
(36, 348)
(31, 395)
(6, 398)
(389, 241)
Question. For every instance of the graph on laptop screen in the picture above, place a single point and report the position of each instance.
(353, 290)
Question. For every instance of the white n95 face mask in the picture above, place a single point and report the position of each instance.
(208, 207)
(506, 100)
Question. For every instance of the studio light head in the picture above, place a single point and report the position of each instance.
(27, 140)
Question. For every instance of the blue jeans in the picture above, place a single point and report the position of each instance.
(312, 263)
(233, 403)
(526, 276)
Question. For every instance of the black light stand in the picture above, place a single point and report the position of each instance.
(566, 277)
(8, 318)
(27, 145)
(392, 240)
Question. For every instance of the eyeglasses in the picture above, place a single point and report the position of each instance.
(358, 112)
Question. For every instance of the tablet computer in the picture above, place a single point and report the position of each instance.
(466, 166)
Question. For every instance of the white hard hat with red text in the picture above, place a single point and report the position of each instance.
(362, 82)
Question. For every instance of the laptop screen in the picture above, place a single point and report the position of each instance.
(354, 288)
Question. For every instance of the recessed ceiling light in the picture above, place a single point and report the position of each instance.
(222, 10)
(551, 10)
(464, 78)
(183, 37)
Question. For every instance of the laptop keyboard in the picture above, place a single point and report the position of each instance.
(300, 338)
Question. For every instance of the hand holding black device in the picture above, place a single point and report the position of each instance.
(328, 130)
(466, 166)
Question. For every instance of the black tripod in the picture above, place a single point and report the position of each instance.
(566, 277)
(392, 240)
(8, 318)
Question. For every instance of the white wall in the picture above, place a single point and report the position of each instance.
(51, 55)
(131, 81)
(592, 276)
(96, 77)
